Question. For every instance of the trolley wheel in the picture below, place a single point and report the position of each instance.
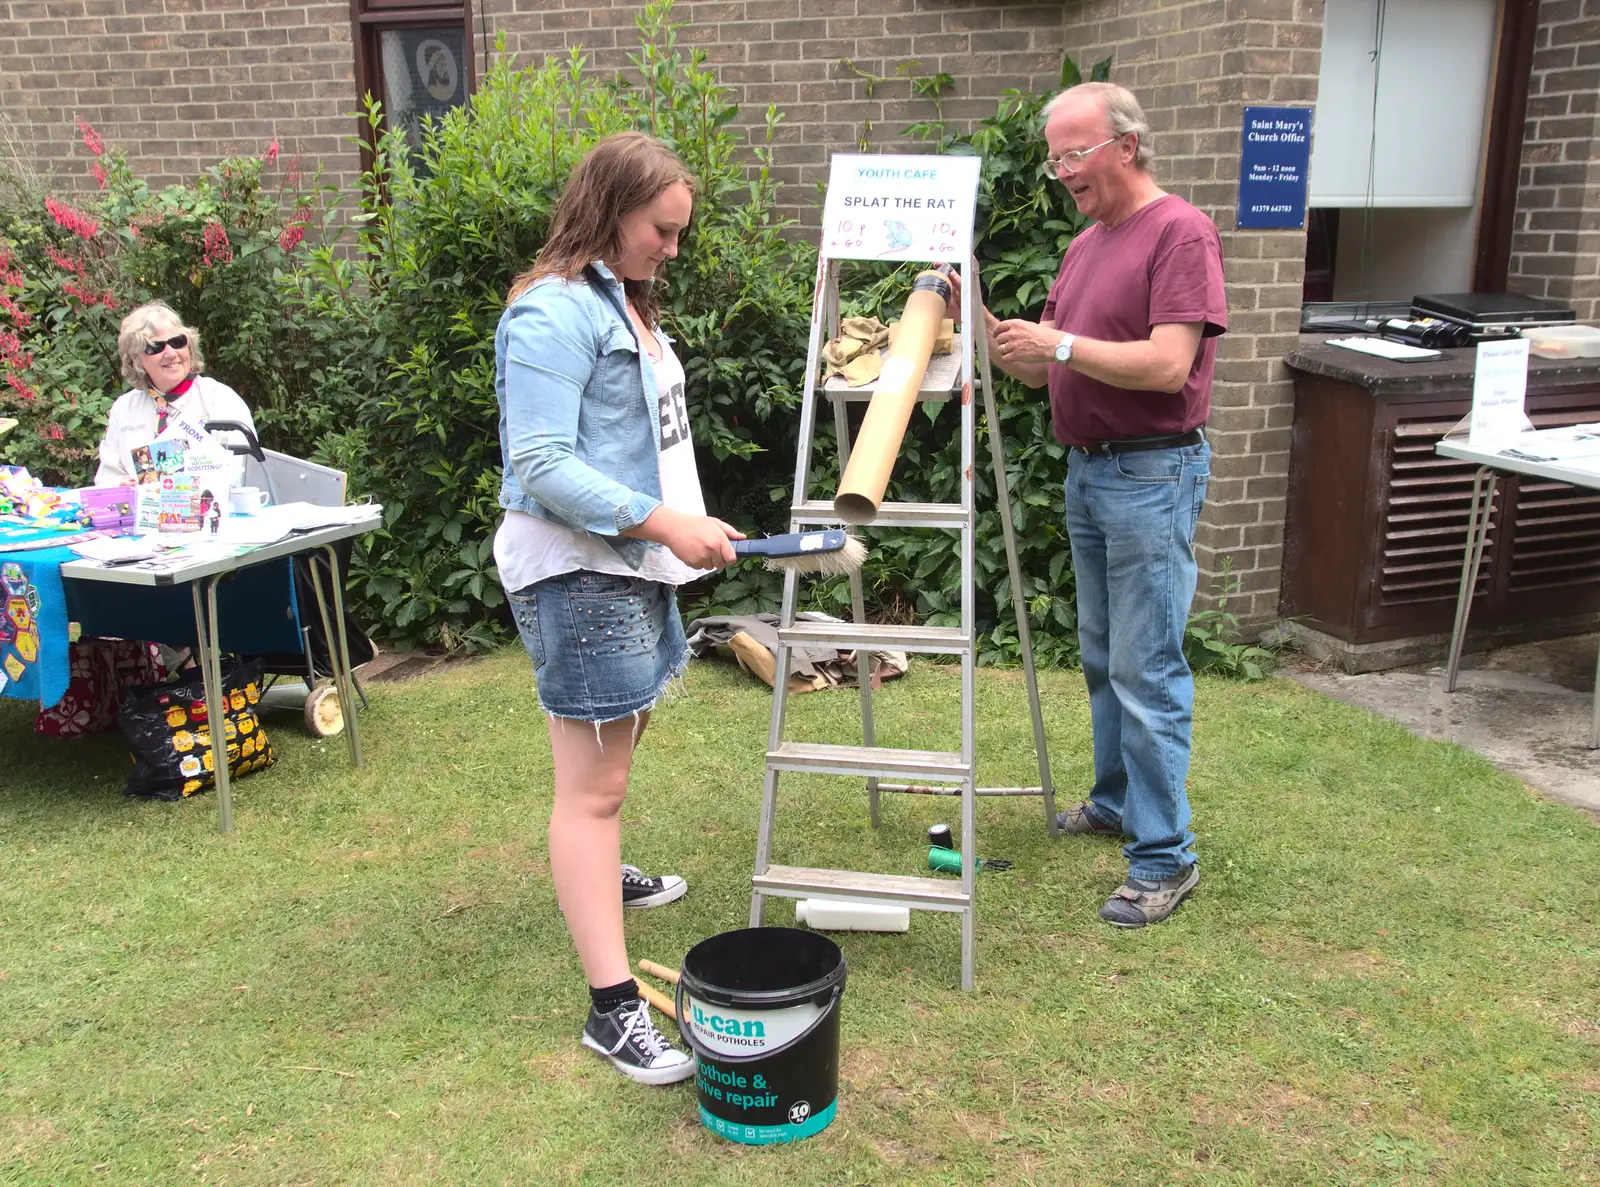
(324, 713)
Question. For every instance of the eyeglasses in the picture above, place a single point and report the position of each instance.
(177, 342)
(1071, 161)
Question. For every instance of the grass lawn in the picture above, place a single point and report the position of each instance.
(1389, 973)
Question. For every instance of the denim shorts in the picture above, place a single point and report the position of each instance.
(603, 646)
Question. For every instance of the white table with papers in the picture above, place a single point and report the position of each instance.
(1570, 455)
(201, 561)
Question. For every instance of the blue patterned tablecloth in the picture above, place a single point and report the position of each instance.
(33, 616)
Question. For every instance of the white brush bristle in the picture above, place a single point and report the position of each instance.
(823, 564)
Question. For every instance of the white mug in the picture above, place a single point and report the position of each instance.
(246, 499)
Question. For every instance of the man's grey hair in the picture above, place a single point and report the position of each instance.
(1122, 112)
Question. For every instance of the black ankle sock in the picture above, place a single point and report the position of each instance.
(611, 996)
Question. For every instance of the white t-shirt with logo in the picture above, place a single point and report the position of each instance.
(529, 549)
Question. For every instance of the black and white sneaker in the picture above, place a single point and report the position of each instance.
(628, 1038)
(640, 891)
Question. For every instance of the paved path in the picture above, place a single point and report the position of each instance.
(1526, 709)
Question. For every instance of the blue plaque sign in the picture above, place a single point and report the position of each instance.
(1274, 158)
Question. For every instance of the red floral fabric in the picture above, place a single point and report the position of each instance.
(102, 669)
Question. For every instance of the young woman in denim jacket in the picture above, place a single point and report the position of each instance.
(604, 517)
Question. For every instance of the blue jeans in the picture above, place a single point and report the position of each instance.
(602, 646)
(1131, 519)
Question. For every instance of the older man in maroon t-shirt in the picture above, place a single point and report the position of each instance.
(1126, 345)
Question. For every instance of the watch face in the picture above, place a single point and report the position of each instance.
(1063, 351)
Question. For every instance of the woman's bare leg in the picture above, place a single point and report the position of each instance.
(591, 776)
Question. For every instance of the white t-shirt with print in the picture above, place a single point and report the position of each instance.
(529, 549)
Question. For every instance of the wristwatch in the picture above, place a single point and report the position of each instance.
(1064, 349)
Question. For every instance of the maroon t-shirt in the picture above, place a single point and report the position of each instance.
(1162, 264)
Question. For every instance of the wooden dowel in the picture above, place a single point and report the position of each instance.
(657, 999)
(659, 970)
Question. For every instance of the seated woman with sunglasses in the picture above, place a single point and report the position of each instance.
(161, 359)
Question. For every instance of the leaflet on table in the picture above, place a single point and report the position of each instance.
(1499, 392)
(183, 478)
(155, 554)
(183, 502)
(1571, 443)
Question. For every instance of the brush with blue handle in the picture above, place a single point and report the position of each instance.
(826, 553)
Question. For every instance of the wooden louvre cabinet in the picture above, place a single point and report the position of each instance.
(1377, 520)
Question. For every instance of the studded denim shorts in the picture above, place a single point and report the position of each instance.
(603, 646)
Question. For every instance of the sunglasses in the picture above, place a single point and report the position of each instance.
(177, 342)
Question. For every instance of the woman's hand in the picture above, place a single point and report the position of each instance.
(699, 541)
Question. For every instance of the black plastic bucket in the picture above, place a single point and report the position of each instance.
(760, 1009)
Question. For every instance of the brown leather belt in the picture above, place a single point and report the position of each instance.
(1140, 444)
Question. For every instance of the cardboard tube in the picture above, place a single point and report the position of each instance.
(877, 445)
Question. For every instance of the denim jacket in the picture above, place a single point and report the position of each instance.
(579, 426)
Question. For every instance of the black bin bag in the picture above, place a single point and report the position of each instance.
(168, 731)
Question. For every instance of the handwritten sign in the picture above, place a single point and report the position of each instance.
(1274, 160)
(1499, 387)
(899, 208)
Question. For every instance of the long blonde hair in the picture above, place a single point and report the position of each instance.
(617, 176)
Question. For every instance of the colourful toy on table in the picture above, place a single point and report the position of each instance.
(108, 507)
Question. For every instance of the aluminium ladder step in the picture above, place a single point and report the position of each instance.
(933, 766)
(940, 381)
(937, 894)
(910, 515)
(854, 636)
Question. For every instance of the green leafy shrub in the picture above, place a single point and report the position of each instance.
(438, 242)
(1213, 642)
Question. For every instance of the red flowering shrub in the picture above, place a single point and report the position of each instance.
(215, 242)
(72, 264)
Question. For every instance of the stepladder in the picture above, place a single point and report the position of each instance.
(960, 377)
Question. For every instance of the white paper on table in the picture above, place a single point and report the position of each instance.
(1499, 390)
(258, 529)
(1556, 445)
(196, 551)
(1400, 352)
(117, 550)
(306, 516)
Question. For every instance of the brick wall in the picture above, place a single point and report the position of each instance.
(1194, 67)
(178, 83)
(1555, 247)
(787, 52)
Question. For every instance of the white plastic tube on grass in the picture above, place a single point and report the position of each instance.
(832, 914)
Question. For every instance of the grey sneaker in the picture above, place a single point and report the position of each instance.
(629, 1039)
(1137, 902)
(1080, 819)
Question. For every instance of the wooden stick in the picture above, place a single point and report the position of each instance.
(661, 970)
(657, 999)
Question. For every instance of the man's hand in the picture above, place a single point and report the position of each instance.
(699, 541)
(1025, 343)
(952, 308)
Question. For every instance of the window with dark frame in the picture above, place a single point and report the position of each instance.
(413, 56)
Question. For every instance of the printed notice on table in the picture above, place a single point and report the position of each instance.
(887, 207)
(1499, 387)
